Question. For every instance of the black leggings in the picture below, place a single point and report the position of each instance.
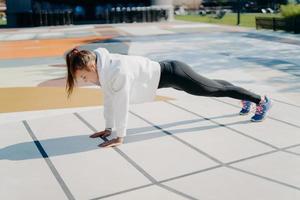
(181, 76)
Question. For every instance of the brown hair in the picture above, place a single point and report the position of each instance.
(77, 60)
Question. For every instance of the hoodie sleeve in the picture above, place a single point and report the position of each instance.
(120, 93)
(108, 110)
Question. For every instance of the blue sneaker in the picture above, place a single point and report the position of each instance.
(246, 107)
(261, 110)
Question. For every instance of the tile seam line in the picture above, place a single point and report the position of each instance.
(229, 165)
(270, 117)
(124, 191)
(245, 171)
(49, 163)
(188, 174)
(179, 140)
(193, 173)
(199, 171)
(287, 103)
(130, 161)
(265, 178)
(120, 152)
(223, 125)
(159, 182)
(284, 149)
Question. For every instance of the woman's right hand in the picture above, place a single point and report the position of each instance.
(104, 133)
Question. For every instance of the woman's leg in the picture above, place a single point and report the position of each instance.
(180, 76)
(223, 82)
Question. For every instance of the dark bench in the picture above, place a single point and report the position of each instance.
(276, 23)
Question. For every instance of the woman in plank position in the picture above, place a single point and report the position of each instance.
(127, 79)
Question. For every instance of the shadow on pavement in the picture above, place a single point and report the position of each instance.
(83, 143)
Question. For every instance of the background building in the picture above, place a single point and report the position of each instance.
(188, 4)
(88, 11)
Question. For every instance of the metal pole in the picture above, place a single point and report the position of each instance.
(238, 12)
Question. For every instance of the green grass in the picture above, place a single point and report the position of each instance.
(247, 20)
(2, 22)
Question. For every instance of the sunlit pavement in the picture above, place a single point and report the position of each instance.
(177, 147)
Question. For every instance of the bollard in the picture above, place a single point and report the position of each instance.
(112, 15)
(148, 14)
(144, 14)
(61, 17)
(67, 17)
(71, 16)
(107, 15)
(56, 17)
(118, 15)
(123, 15)
(37, 16)
(50, 17)
(133, 15)
(128, 15)
(44, 18)
(29, 18)
(139, 14)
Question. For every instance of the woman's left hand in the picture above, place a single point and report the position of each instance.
(111, 143)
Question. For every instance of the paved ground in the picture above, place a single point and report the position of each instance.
(179, 146)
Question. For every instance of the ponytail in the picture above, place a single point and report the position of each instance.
(77, 60)
(71, 71)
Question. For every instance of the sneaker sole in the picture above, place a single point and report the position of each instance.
(244, 113)
(253, 120)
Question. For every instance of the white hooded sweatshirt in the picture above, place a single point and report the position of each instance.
(125, 80)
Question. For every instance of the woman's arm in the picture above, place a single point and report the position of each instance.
(120, 91)
(108, 110)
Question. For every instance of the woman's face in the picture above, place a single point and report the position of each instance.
(88, 76)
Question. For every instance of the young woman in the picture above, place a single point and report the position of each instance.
(126, 79)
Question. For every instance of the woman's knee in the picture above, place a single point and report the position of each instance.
(177, 63)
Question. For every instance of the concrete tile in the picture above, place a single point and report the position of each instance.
(27, 115)
(50, 35)
(153, 192)
(24, 36)
(162, 114)
(281, 166)
(94, 117)
(80, 34)
(24, 172)
(295, 150)
(141, 140)
(157, 147)
(270, 131)
(279, 111)
(224, 183)
(86, 168)
(211, 138)
(59, 126)
(137, 129)
(97, 173)
(3, 36)
(144, 30)
(221, 143)
(164, 157)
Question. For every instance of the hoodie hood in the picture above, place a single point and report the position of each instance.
(103, 60)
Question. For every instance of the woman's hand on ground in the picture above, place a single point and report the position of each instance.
(104, 133)
(111, 143)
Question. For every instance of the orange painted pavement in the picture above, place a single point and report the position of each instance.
(43, 48)
(44, 98)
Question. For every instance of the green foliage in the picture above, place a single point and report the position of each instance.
(292, 1)
(247, 19)
(290, 10)
(2, 22)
